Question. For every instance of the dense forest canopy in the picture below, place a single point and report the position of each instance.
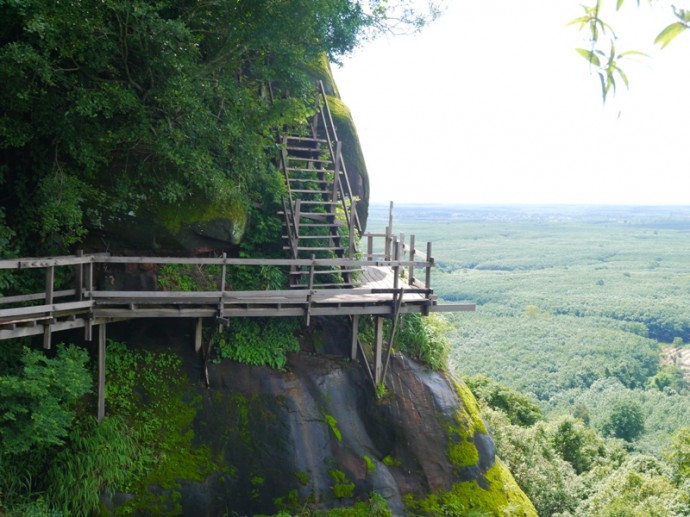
(108, 107)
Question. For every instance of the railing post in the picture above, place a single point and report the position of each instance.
(88, 327)
(50, 280)
(370, 247)
(396, 268)
(429, 262)
(387, 244)
(79, 278)
(411, 279)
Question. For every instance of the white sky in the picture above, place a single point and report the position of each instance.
(491, 104)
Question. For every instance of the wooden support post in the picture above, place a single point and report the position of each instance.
(50, 280)
(101, 372)
(88, 327)
(370, 247)
(411, 279)
(198, 334)
(378, 364)
(223, 271)
(396, 319)
(355, 336)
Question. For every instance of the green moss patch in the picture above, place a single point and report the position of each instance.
(502, 498)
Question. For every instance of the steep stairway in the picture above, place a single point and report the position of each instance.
(320, 215)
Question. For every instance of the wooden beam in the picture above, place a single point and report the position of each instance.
(101, 372)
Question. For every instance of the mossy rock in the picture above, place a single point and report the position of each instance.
(196, 225)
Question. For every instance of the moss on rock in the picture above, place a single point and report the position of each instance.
(501, 496)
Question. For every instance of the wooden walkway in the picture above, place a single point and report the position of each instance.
(385, 287)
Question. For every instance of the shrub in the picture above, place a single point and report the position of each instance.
(259, 341)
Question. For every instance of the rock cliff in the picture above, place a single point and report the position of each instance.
(315, 435)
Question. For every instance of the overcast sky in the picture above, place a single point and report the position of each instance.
(491, 104)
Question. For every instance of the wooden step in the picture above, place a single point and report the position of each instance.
(313, 237)
(316, 248)
(307, 191)
(330, 203)
(323, 225)
(310, 180)
(300, 149)
(306, 170)
(311, 160)
(306, 139)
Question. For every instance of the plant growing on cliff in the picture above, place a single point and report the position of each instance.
(258, 341)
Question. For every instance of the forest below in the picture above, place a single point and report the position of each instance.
(576, 308)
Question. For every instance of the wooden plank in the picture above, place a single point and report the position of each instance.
(37, 330)
(6, 300)
(42, 309)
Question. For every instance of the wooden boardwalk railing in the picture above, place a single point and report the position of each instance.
(386, 287)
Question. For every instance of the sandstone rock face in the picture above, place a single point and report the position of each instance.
(317, 434)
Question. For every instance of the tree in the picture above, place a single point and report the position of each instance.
(114, 108)
(625, 421)
(37, 398)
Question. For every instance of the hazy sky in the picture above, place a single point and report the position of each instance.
(491, 104)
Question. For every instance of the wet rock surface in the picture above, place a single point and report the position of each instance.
(317, 433)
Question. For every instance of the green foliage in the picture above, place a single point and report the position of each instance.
(99, 459)
(260, 342)
(544, 328)
(625, 421)
(189, 277)
(342, 487)
(520, 409)
(577, 444)
(678, 454)
(333, 426)
(471, 499)
(112, 107)
(421, 337)
(668, 377)
(371, 466)
(37, 398)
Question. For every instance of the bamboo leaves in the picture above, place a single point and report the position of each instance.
(670, 32)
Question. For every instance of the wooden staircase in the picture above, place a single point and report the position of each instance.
(320, 213)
